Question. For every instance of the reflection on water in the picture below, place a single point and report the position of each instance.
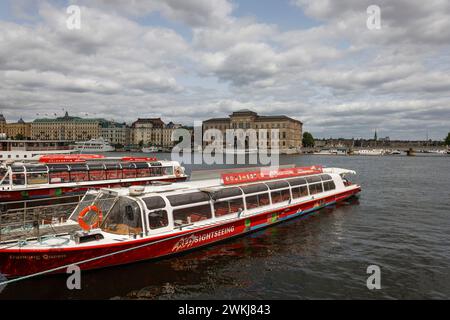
(400, 223)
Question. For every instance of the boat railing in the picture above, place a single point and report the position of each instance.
(31, 220)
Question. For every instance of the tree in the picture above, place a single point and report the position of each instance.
(308, 140)
(447, 140)
(19, 136)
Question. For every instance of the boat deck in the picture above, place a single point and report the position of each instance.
(23, 234)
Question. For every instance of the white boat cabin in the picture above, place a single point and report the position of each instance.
(187, 205)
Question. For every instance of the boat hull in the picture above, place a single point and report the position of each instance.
(23, 261)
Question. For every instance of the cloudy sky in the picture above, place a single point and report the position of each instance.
(316, 61)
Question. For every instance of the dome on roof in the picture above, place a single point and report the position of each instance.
(2, 118)
(20, 121)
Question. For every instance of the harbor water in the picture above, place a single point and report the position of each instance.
(400, 223)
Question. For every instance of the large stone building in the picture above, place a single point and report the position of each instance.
(116, 133)
(66, 128)
(15, 130)
(289, 129)
(153, 131)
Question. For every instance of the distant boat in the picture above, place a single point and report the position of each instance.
(332, 151)
(150, 149)
(93, 145)
(370, 152)
(395, 152)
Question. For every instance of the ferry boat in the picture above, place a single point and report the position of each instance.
(93, 145)
(125, 225)
(26, 150)
(332, 151)
(64, 175)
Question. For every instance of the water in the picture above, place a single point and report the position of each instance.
(401, 223)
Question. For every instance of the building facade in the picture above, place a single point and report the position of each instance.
(116, 133)
(153, 132)
(66, 128)
(17, 130)
(287, 131)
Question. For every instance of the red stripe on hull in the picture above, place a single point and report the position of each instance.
(24, 261)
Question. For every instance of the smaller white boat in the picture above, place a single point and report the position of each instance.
(150, 149)
(93, 145)
(370, 152)
(332, 151)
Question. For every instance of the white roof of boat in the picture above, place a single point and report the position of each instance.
(203, 184)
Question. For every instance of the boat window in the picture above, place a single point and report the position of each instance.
(37, 178)
(96, 175)
(17, 169)
(315, 188)
(297, 181)
(59, 177)
(113, 174)
(252, 188)
(192, 214)
(298, 192)
(225, 207)
(158, 219)
(155, 172)
(110, 166)
(325, 177)
(79, 176)
(187, 198)
(277, 184)
(58, 168)
(87, 200)
(313, 179)
(141, 165)
(4, 176)
(36, 168)
(329, 185)
(129, 173)
(227, 193)
(96, 166)
(18, 178)
(154, 203)
(168, 171)
(78, 167)
(144, 172)
(280, 195)
(257, 200)
(124, 218)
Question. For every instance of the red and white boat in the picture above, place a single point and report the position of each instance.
(125, 225)
(65, 175)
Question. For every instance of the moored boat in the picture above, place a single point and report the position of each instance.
(63, 175)
(125, 225)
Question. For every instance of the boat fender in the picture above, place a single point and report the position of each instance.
(83, 223)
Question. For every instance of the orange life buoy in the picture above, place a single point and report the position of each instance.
(83, 223)
(178, 172)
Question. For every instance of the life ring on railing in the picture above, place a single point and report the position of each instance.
(83, 223)
(178, 172)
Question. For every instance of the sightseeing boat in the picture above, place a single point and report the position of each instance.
(65, 175)
(125, 225)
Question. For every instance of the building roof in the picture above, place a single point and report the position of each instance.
(258, 118)
(2, 118)
(68, 118)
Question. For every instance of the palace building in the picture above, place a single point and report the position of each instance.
(289, 129)
(66, 128)
(19, 129)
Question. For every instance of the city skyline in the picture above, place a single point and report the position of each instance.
(315, 61)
